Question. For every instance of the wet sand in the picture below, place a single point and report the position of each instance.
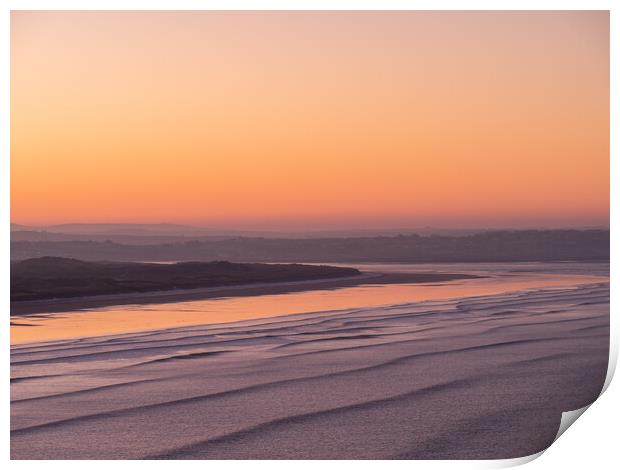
(304, 298)
(182, 295)
(481, 377)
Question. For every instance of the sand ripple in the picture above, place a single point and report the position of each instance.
(477, 377)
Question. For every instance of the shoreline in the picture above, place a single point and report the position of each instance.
(197, 375)
(33, 307)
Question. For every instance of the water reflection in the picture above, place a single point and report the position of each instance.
(141, 317)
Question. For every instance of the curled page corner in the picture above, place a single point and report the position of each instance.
(568, 418)
(611, 365)
(517, 461)
(566, 421)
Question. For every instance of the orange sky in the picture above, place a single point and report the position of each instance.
(311, 119)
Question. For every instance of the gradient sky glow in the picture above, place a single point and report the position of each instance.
(311, 119)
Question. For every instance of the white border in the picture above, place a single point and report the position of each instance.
(591, 443)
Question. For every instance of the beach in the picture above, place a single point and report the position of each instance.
(254, 289)
(305, 234)
(481, 376)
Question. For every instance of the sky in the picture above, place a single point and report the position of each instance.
(311, 120)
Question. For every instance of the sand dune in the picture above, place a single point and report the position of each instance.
(478, 377)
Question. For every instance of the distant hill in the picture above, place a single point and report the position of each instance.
(18, 227)
(164, 232)
(129, 239)
(118, 229)
(54, 277)
(529, 245)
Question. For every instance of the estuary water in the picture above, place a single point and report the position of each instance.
(498, 278)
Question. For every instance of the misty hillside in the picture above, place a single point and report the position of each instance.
(531, 245)
(173, 233)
